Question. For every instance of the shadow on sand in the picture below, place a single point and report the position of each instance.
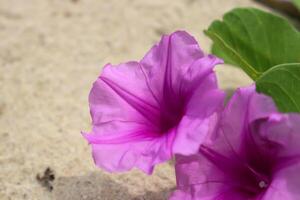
(98, 186)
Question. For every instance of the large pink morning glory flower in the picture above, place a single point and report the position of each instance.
(145, 112)
(255, 155)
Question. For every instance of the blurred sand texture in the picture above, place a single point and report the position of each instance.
(51, 51)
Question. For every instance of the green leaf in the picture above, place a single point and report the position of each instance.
(254, 40)
(297, 3)
(282, 83)
(216, 50)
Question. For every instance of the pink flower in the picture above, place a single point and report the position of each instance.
(145, 112)
(255, 155)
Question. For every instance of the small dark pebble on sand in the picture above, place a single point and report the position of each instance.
(46, 179)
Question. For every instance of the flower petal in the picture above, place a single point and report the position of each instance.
(204, 97)
(244, 107)
(143, 153)
(285, 184)
(200, 179)
(283, 130)
(191, 133)
(121, 93)
(174, 65)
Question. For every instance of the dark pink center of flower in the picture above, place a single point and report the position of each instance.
(251, 181)
(248, 175)
(170, 118)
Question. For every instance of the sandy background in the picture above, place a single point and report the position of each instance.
(50, 53)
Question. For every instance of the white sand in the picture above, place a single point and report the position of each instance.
(50, 53)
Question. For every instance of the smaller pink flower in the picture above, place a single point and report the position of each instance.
(145, 112)
(254, 155)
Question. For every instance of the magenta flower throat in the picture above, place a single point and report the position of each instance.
(145, 112)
